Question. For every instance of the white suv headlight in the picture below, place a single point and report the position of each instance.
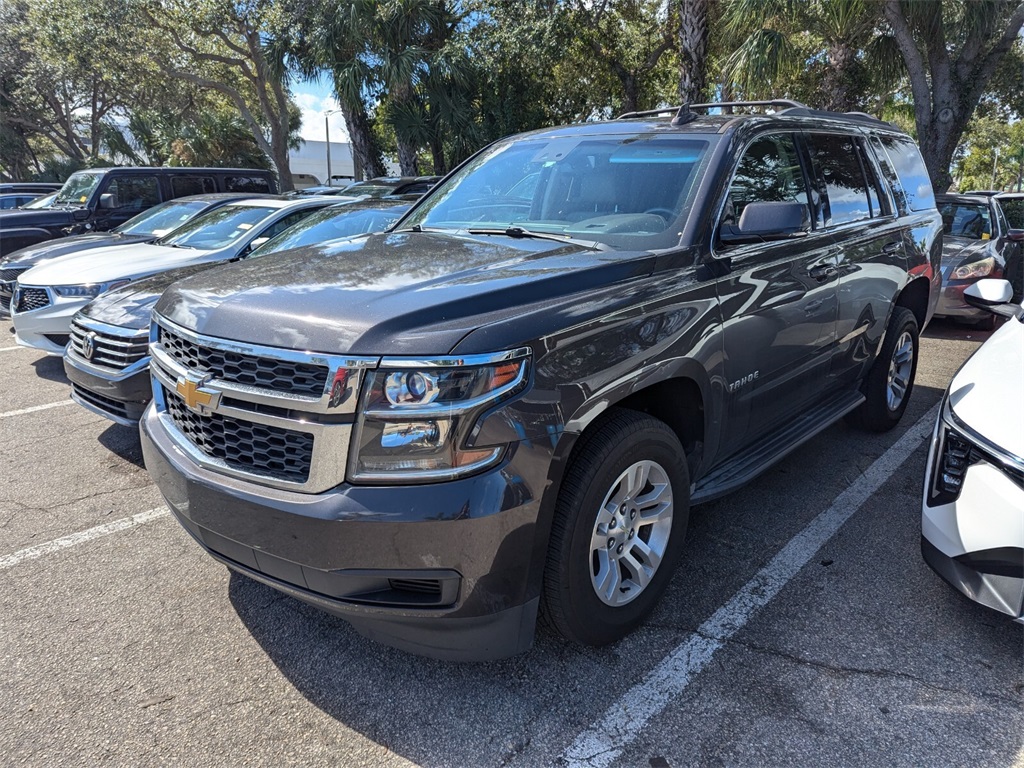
(416, 416)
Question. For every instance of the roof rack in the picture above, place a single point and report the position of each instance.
(684, 113)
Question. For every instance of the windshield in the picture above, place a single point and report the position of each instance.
(629, 191)
(78, 188)
(371, 190)
(41, 202)
(163, 218)
(970, 220)
(332, 224)
(219, 228)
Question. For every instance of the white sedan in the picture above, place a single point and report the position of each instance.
(972, 527)
(46, 297)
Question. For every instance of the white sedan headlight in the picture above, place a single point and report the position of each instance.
(88, 290)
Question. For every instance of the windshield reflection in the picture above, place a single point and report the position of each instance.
(627, 191)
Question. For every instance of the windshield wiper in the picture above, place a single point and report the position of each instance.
(420, 228)
(519, 232)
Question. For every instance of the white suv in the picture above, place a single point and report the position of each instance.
(972, 526)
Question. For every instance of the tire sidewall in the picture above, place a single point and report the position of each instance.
(903, 322)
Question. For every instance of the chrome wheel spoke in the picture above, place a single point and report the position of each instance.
(630, 533)
(606, 581)
(639, 573)
(636, 478)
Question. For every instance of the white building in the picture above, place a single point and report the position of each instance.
(311, 159)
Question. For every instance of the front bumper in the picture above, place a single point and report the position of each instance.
(120, 396)
(952, 304)
(976, 540)
(448, 570)
(47, 328)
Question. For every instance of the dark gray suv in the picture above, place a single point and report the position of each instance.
(507, 404)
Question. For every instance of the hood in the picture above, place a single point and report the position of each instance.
(958, 249)
(132, 306)
(35, 255)
(103, 265)
(37, 217)
(986, 393)
(399, 293)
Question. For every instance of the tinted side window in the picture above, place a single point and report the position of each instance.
(254, 184)
(1014, 210)
(910, 167)
(881, 205)
(837, 166)
(889, 173)
(191, 185)
(769, 171)
(135, 193)
(281, 225)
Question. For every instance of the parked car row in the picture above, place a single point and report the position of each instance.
(502, 404)
(101, 199)
(404, 187)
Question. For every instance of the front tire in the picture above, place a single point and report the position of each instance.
(890, 381)
(618, 530)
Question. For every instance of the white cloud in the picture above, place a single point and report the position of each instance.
(313, 107)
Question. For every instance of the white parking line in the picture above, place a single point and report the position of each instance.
(601, 743)
(11, 349)
(74, 539)
(34, 408)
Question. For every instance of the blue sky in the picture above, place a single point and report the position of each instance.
(314, 98)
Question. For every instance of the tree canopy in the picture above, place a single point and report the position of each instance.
(429, 82)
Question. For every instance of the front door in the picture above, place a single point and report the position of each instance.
(778, 299)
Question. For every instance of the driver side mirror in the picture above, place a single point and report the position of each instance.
(107, 202)
(251, 247)
(1016, 235)
(776, 220)
(995, 296)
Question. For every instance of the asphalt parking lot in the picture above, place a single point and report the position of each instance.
(803, 628)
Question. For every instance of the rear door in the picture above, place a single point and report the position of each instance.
(868, 246)
(778, 300)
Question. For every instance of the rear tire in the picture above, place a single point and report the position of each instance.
(890, 381)
(618, 530)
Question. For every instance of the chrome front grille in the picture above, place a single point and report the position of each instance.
(259, 449)
(10, 274)
(269, 415)
(27, 299)
(268, 373)
(108, 346)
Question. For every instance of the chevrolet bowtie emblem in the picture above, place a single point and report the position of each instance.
(196, 398)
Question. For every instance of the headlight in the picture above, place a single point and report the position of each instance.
(416, 417)
(975, 269)
(87, 291)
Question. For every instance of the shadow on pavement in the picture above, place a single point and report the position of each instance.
(123, 441)
(51, 368)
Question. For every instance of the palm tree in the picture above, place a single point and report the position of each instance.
(777, 40)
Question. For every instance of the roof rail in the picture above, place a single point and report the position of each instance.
(683, 113)
(647, 113)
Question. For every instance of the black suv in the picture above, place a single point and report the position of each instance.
(103, 198)
(508, 402)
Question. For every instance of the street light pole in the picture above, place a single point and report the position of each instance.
(327, 136)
